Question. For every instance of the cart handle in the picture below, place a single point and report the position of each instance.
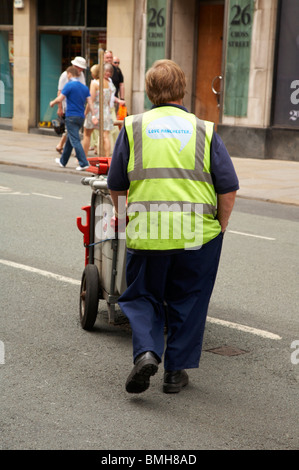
(95, 183)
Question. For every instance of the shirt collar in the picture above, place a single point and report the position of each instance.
(170, 104)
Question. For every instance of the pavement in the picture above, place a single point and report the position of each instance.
(267, 180)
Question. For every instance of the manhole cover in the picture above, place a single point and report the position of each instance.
(227, 351)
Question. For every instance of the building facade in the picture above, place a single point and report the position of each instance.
(240, 58)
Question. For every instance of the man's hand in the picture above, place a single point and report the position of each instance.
(57, 100)
(120, 218)
(119, 223)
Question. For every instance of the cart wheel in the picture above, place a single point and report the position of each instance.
(89, 296)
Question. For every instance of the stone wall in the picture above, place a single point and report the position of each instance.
(25, 67)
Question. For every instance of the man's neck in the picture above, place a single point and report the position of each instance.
(179, 102)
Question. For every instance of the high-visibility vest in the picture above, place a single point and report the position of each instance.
(172, 200)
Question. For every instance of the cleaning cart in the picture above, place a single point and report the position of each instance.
(105, 248)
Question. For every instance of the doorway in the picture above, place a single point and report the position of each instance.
(56, 52)
(57, 49)
(209, 60)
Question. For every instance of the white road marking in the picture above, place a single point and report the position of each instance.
(48, 274)
(251, 235)
(47, 195)
(9, 191)
(246, 329)
(15, 193)
(58, 277)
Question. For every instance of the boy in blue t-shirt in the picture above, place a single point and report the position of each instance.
(76, 95)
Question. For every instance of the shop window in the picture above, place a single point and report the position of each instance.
(96, 13)
(286, 101)
(6, 74)
(50, 69)
(6, 12)
(72, 13)
(94, 41)
(238, 51)
(155, 36)
(6, 59)
(71, 47)
(67, 13)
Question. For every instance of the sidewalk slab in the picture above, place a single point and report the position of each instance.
(36, 151)
(269, 180)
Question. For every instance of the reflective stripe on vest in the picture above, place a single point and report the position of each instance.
(196, 174)
(184, 140)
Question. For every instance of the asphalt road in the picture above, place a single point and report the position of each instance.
(63, 388)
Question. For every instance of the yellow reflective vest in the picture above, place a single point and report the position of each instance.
(172, 200)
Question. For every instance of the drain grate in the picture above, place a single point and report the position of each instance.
(227, 351)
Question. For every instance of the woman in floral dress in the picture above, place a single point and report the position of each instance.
(108, 103)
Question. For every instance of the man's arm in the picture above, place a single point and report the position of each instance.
(121, 91)
(119, 202)
(118, 182)
(61, 83)
(60, 109)
(225, 204)
(57, 100)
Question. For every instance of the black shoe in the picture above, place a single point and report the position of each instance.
(145, 366)
(174, 381)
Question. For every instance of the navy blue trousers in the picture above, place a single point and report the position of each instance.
(185, 282)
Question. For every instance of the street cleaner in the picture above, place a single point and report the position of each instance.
(181, 187)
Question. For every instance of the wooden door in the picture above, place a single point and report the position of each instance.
(209, 59)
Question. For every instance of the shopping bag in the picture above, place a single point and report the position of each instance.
(122, 112)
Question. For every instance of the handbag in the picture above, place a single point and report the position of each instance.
(59, 125)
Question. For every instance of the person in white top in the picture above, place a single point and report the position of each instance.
(80, 64)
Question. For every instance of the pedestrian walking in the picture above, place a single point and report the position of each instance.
(181, 187)
(80, 64)
(76, 95)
